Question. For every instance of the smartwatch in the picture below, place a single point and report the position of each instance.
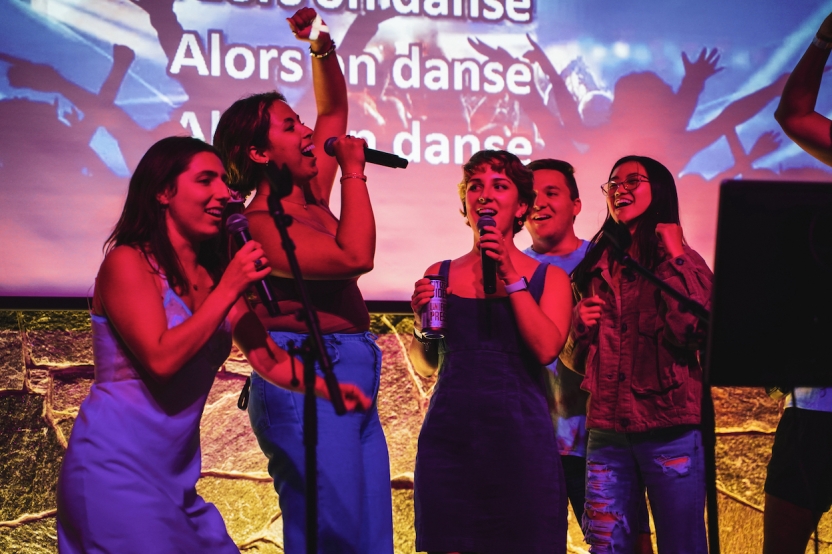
(522, 284)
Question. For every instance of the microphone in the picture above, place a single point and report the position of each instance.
(237, 225)
(376, 157)
(489, 265)
(618, 235)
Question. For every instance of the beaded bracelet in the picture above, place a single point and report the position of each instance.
(325, 54)
(353, 176)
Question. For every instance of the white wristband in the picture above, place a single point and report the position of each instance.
(822, 44)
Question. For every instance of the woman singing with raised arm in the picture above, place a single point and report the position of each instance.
(638, 351)
(355, 505)
(488, 471)
(163, 316)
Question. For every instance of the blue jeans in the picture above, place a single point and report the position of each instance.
(355, 512)
(671, 464)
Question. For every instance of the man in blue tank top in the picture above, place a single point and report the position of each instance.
(551, 226)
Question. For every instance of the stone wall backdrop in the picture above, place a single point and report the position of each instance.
(46, 371)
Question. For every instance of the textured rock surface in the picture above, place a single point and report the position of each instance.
(39, 537)
(227, 441)
(30, 457)
(46, 372)
(12, 366)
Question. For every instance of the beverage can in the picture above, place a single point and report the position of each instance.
(433, 313)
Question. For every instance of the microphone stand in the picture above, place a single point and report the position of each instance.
(312, 350)
(708, 416)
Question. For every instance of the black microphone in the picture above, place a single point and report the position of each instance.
(371, 156)
(237, 225)
(489, 265)
(618, 235)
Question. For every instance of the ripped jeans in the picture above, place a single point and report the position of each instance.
(671, 463)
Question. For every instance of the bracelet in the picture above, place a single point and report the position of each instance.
(426, 342)
(325, 54)
(822, 43)
(353, 176)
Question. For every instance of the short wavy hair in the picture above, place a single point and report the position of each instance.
(507, 163)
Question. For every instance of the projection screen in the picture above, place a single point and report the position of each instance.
(87, 86)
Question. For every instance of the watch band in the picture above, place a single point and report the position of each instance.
(522, 284)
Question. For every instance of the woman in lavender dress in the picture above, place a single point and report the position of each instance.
(163, 316)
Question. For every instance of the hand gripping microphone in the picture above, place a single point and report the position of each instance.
(371, 156)
(489, 265)
(237, 226)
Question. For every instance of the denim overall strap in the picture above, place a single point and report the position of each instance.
(538, 282)
(444, 269)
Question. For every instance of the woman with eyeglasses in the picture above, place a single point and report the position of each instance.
(638, 352)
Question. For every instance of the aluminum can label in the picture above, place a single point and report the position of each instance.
(433, 313)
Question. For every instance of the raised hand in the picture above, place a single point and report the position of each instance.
(704, 67)
(536, 54)
(825, 31)
(308, 26)
(766, 143)
(670, 237)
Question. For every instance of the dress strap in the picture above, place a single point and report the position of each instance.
(168, 294)
(538, 281)
(444, 269)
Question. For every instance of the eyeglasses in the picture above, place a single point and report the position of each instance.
(628, 185)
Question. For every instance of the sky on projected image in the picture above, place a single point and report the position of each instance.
(86, 86)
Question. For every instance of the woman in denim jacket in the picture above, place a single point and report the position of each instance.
(638, 352)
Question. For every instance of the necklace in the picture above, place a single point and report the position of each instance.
(305, 204)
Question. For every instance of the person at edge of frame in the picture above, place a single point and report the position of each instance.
(798, 480)
(355, 512)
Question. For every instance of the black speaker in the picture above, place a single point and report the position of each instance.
(772, 298)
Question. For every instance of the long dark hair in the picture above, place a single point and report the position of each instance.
(142, 222)
(243, 125)
(663, 208)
